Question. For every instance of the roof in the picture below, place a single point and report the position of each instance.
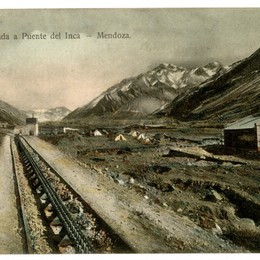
(244, 123)
(31, 120)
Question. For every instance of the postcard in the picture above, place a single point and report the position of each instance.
(129, 130)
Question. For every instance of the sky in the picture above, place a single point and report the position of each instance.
(46, 73)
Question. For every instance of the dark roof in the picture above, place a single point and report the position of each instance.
(31, 120)
(244, 123)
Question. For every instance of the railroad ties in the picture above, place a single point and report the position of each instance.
(71, 226)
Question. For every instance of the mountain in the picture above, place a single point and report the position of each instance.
(51, 114)
(142, 95)
(232, 95)
(10, 114)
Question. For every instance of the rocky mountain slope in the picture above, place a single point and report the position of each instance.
(234, 94)
(10, 114)
(51, 114)
(147, 92)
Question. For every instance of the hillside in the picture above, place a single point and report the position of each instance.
(142, 95)
(232, 95)
(10, 114)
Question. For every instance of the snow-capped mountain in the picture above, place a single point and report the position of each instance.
(142, 95)
(232, 95)
(51, 114)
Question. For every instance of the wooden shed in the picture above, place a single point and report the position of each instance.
(244, 134)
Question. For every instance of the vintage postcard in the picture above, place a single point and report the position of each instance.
(129, 130)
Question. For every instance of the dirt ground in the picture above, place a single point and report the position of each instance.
(182, 174)
(10, 237)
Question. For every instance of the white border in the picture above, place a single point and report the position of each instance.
(54, 4)
(30, 4)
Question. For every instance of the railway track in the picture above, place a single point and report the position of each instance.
(69, 224)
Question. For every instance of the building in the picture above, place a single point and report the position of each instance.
(57, 130)
(51, 130)
(31, 127)
(69, 130)
(244, 134)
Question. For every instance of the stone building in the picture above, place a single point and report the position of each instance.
(31, 127)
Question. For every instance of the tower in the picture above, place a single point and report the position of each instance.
(32, 125)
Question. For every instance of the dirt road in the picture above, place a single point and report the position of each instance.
(10, 239)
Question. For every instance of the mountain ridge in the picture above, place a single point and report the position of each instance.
(234, 94)
(10, 114)
(48, 114)
(143, 94)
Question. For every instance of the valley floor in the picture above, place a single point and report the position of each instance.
(182, 193)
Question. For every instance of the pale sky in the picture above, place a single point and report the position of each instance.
(49, 73)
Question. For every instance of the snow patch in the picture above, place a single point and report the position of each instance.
(126, 87)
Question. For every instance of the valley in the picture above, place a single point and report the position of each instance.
(184, 171)
(160, 156)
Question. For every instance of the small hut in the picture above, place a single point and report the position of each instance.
(244, 134)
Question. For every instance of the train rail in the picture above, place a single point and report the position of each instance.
(72, 222)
